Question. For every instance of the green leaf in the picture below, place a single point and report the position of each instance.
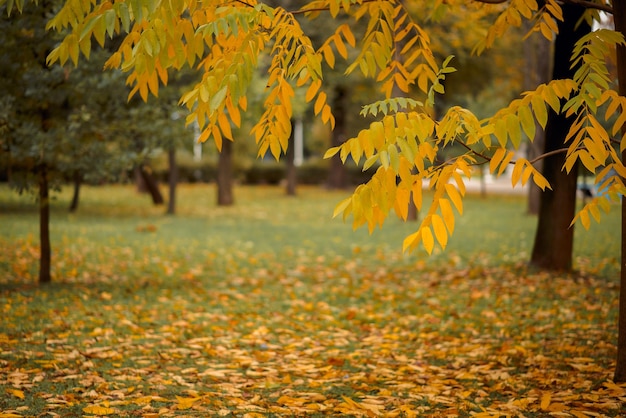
(218, 98)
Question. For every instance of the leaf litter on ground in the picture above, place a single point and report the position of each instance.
(143, 330)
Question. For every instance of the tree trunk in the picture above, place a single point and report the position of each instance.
(44, 226)
(337, 176)
(554, 238)
(536, 49)
(619, 16)
(151, 185)
(291, 174)
(225, 175)
(78, 179)
(173, 180)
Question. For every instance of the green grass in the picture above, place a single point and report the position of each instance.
(273, 307)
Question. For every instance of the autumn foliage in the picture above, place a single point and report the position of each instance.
(225, 40)
(249, 312)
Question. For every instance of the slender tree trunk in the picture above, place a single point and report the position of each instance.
(151, 185)
(44, 226)
(537, 71)
(554, 239)
(291, 173)
(173, 180)
(225, 175)
(337, 176)
(619, 16)
(77, 180)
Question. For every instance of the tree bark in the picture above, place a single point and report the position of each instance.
(173, 180)
(77, 180)
(536, 49)
(291, 173)
(554, 238)
(44, 226)
(151, 185)
(225, 175)
(337, 176)
(619, 16)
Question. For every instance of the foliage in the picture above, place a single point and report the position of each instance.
(250, 310)
(77, 121)
(223, 41)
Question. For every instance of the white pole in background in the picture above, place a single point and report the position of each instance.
(298, 142)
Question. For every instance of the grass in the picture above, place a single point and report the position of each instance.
(271, 307)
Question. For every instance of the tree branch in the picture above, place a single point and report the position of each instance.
(533, 161)
(585, 3)
(591, 5)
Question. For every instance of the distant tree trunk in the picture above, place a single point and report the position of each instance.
(173, 180)
(337, 176)
(77, 180)
(537, 71)
(151, 185)
(225, 175)
(554, 239)
(291, 173)
(483, 182)
(44, 226)
(619, 16)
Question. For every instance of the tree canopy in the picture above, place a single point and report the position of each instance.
(224, 40)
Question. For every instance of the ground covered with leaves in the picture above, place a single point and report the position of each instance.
(267, 311)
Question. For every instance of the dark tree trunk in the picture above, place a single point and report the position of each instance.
(554, 238)
(619, 16)
(337, 176)
(44, 226)
(151, 185)
(77, 180)
(173, 180)
(537, 71)
(291, 173)
(225, 175)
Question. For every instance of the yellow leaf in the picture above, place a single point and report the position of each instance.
(326, 114)
(98, 410)
(528, 171)
(584, 218)
(416, 192)
(454, 195)
(587, 160)
(496, 159)
(331, 152)
(440, 230)
(185, 403)
(411, 241)
(527, 121)
(312, 90)
(403, 197)
(16, 392)
(517, 172)
(319, 103)
(505, 163)
(428, 240)
(513, 129)
(539, 108)
(541, 181)
(224, 124)
(447, 214)
(347, 33)
(545, 401)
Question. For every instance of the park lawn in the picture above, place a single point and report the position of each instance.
(272, 308)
